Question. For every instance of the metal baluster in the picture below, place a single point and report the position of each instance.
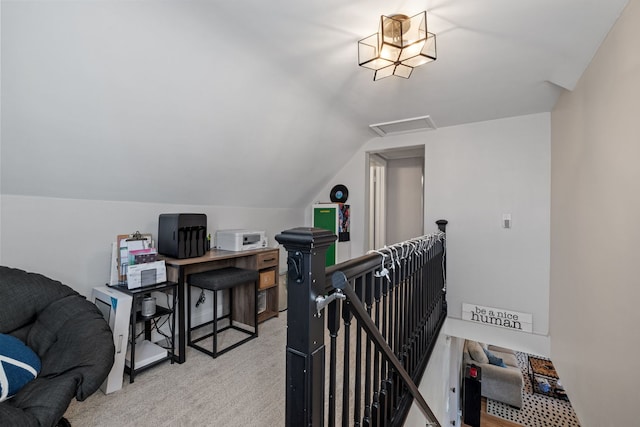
(420, 289)
(358, 374)
(434, 293)
(404, 306)
(412, 316)
(385, 386)
(402, 316)
(431, 319)
(423, 297)
(333, 324)
(346, 318)
(375, 405)
(368, 300)
(397, 340)
(424, 301)
(415, 315)
(416, 312)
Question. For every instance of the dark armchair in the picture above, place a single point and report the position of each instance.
(73, 341)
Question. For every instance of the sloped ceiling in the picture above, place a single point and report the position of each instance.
(254, 103)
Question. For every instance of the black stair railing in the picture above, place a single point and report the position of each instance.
(389, 306)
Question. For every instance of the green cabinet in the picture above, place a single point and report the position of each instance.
(335, 218)
(324, 216)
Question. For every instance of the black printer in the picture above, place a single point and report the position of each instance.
(182, 235)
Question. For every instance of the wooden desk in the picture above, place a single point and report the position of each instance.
(265, 261)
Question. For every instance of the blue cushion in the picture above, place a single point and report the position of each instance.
(18, 365)
(493, 359)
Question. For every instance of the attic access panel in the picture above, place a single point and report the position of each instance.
(404, 126)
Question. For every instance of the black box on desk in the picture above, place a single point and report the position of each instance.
(182, 235)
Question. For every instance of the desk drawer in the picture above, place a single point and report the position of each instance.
(269, 259)
(267, 278)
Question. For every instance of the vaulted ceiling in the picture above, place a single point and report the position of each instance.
(254, 103)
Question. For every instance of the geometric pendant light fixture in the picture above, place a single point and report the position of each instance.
(401, 44)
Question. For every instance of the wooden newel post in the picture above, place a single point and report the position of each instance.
(306, 249)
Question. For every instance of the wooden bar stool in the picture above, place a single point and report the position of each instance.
(218, 280)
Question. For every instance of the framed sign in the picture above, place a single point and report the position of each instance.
(501, 318)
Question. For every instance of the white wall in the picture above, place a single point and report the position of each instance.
(141, 100)
(405, 215)
(70, 240)
(473, 174)
(595, 212)
(441, 376)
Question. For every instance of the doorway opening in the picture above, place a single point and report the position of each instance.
(395, 193)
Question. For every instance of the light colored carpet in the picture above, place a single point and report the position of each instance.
(244, 387)
(537, 410)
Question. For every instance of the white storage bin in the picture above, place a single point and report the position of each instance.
(262, 301)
